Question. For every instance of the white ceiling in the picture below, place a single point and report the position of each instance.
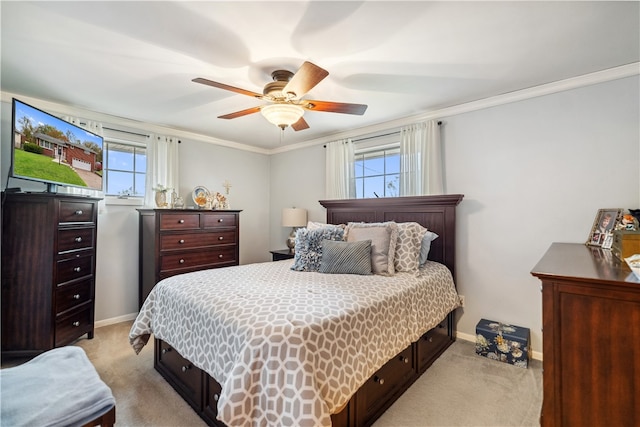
(136, 59)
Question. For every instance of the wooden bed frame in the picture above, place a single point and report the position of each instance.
(437, 213)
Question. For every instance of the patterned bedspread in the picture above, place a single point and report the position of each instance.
(290, 347)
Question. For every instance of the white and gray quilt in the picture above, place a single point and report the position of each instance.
(290, 347)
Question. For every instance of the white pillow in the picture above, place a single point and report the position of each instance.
(429, 237)
(312, 225)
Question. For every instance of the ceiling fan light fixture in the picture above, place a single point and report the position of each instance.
(282, 115)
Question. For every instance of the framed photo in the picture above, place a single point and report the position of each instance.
(603, 226)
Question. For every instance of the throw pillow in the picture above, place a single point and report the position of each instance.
(383, 236)
(429, 237)
(345, 257)
(410, 236)
(308, 247)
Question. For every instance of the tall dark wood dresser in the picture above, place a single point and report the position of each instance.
(175, 241)
(591, 338)
(48, 270)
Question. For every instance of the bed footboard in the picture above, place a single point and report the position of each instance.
(381, 390)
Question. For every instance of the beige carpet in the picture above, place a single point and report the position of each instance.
(460, 389)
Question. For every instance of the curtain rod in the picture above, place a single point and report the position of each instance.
(377, 136)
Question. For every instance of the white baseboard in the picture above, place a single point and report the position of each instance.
(114, 320)
(472, 338)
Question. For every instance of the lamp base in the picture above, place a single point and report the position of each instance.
(291, 241)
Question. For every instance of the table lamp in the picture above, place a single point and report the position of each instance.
(294, 218)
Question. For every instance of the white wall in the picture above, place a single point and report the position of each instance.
(296, 180)
(532, 172)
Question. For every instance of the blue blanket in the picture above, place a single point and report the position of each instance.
(57, 388)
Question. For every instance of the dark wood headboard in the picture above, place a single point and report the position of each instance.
(436, 213)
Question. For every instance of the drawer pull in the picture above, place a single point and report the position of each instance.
(181, 261)
(78, 212)
(378, 380)
(220, 238)
(185, 368)
(78, 239)
(220, 256)
(181, 241)
(181, 221)
(220, 220)
(76, 296)
(404, 359)
(76, 323)
(76, 269)
(216, 396)
(166, 350)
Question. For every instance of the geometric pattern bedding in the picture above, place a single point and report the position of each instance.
(290, 347)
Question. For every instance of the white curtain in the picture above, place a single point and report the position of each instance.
(162, 166)
(339, 182)
(421, 159)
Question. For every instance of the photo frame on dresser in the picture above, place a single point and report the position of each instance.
(603, 225)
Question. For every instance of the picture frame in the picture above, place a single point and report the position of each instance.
(603, 225)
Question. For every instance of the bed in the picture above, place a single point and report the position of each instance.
(263, 344)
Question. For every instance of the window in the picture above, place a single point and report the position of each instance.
(125, 169)
(377, 167)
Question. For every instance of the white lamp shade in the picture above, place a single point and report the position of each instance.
(294, 217)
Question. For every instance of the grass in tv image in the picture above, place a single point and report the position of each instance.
(49, 149)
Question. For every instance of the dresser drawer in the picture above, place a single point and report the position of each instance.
(70, 296)
(180, 221)
(388, 379)
(169, 242)
(219, 219)
(187, 377)
(211, 257)
(430, 345)
(75, 238)
(76, 211)
(74, 268)
(73, 324)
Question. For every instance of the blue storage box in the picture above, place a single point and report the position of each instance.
(502, 342)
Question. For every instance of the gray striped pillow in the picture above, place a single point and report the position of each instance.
(346, 257)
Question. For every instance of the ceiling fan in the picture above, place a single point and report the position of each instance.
(285, 94)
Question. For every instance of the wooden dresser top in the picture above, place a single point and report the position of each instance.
(576, 261)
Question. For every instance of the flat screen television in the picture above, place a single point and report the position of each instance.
(53, 151)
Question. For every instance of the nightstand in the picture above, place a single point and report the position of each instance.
(281, 254)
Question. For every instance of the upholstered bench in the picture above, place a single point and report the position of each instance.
(57, 388)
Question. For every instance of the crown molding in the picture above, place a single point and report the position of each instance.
(597, 77)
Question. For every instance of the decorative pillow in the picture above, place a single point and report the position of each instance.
(308, 248)
(410, 236)
(383, 236)
(429, 237)
(345, 257)
(312, 225)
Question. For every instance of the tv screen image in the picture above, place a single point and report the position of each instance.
(53, 151)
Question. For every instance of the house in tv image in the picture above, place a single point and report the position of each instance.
(78, 156)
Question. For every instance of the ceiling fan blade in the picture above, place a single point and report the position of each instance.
(227, 87)
(307, 76)
(240, 113)
(301, 124)
(334, 107)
